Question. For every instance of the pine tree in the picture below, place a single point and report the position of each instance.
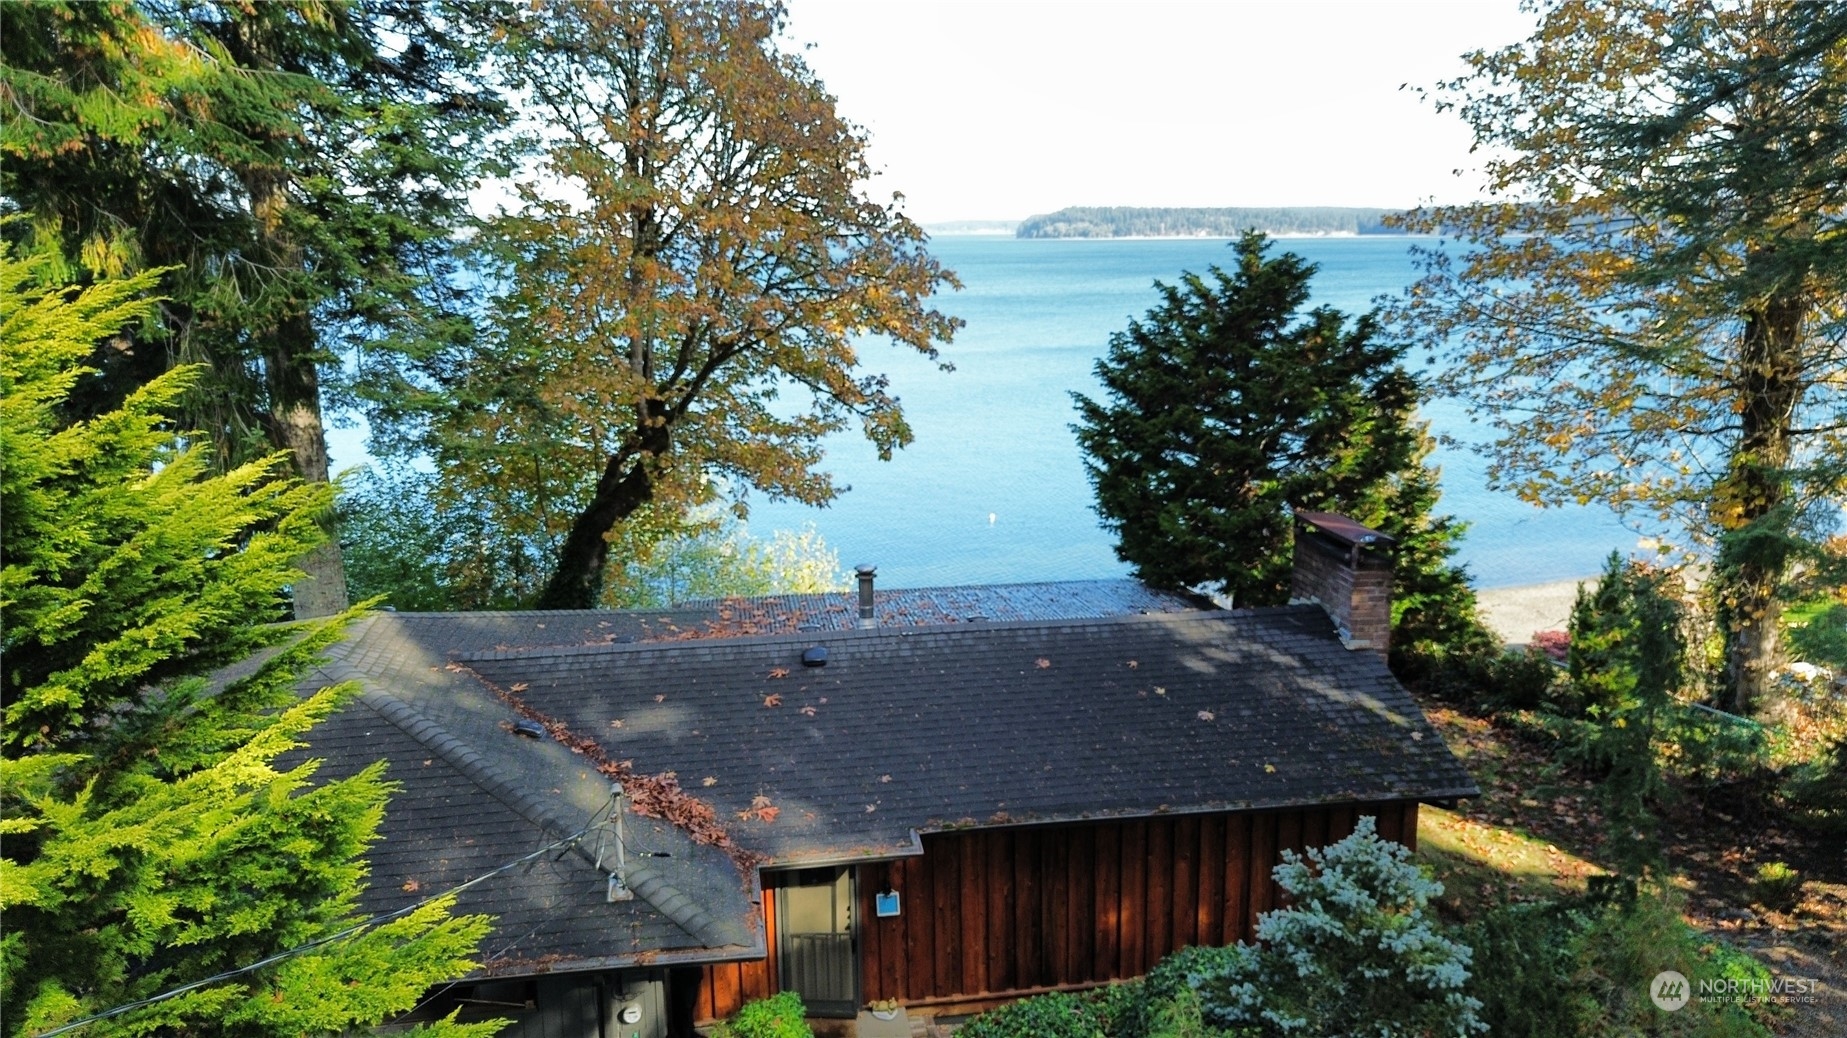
(150, 839)
(1222, 410)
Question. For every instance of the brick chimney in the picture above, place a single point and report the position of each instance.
(1346, 569)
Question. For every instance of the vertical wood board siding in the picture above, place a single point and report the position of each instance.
(987, 912)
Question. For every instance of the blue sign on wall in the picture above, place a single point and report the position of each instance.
(886, 904)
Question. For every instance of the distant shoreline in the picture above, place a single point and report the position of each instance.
(1274, 235)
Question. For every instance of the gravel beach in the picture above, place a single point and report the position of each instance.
(1515, 613)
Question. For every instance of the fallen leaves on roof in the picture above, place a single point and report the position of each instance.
(761, 809)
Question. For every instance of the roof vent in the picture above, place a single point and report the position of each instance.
(815, 656)
(866, 616)
(529, 728)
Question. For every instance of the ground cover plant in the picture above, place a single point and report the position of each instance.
(779, 1016)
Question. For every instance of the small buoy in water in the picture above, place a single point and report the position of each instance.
(991, 518)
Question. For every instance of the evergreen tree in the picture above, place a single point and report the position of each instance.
(298, 168)
(1357, 953)
(1649, 309)
(1222, 410)
(1627, 665)
(150, 840)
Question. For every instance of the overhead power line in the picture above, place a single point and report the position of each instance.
(128, 1007)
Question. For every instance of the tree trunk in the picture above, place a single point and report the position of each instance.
(1755, 549)
(626, 485)
(295, 397)
(295, 410)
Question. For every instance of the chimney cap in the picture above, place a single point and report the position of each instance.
(866, 569)
(1345, 531)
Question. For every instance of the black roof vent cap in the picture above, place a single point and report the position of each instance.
(528, 727)
(814, 656)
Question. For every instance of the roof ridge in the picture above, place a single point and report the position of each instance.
(675, 904)
(885, 631)
(464, 758)
(647, 884)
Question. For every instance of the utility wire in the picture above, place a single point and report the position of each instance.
(311, 945)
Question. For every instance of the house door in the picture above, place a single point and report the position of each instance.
(815, 940)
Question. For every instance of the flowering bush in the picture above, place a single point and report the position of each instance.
(1556, 645)
(1357, 953)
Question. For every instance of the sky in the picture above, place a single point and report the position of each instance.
(999, 110)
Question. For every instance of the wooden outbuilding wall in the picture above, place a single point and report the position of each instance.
(991, 914)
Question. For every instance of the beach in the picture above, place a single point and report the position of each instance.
(1515, 613)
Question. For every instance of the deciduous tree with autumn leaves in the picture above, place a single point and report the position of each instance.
(680, 292)
(1652, 307)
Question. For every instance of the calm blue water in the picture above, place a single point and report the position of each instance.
(993, 489)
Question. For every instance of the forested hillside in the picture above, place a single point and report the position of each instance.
(1131, 221)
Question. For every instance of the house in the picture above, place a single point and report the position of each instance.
(947, 797)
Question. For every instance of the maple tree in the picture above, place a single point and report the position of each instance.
(1651, 308)
(681, 291)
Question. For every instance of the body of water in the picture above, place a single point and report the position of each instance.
(993, 489)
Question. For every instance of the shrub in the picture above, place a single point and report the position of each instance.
(1057, 1015)
(1520, 680)
(1183, 1017)
(1556, 645)
(1123, 1009)
(1357, 954)
(1579, 969)
(779, 1016)
(1526, 955)
(1163, 1004)
(1777, 886)
(1817, 790)
(1709, 748)
(1619, 954)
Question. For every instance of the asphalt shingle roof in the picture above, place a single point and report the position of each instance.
(442, 831)
(907, 729)
(911, 729)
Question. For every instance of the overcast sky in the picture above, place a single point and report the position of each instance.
(998, 110)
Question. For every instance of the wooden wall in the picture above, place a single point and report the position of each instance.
(998, 912)
(726, 986)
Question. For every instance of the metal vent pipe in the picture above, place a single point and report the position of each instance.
(866, 616)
